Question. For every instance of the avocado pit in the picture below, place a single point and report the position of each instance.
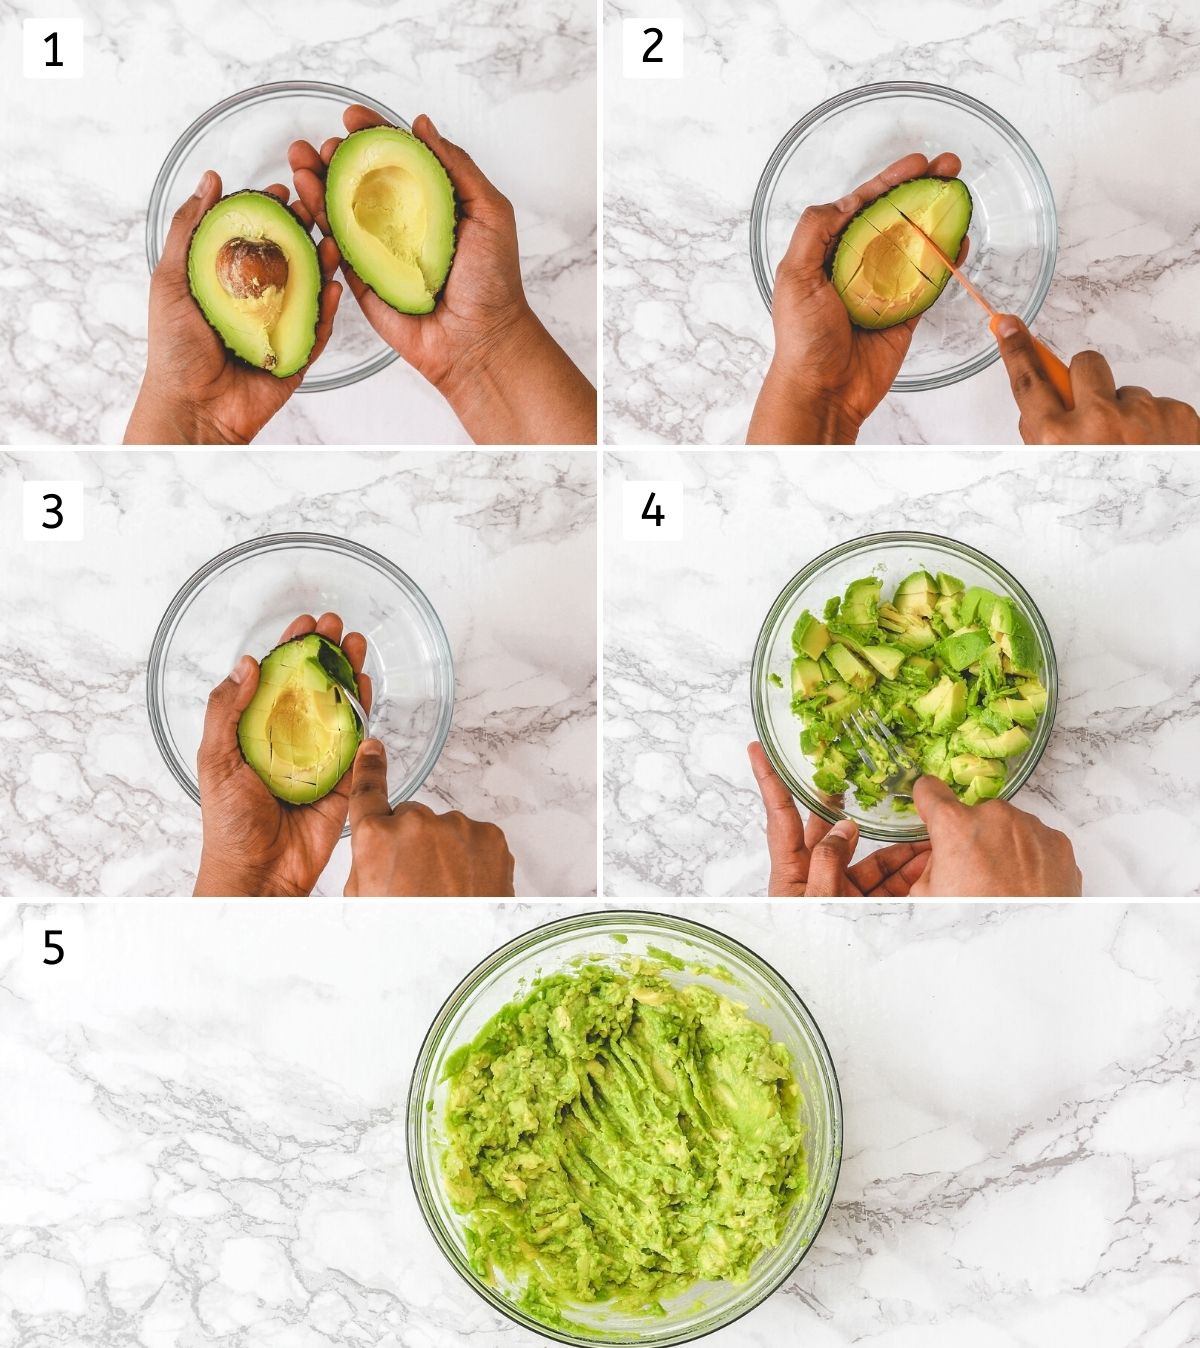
(247, 268)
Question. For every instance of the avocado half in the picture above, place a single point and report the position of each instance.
(885, 272)
(391, 210)
(299, 733)
(253, 270)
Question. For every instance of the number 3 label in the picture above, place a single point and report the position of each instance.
(652, 49)
(53, 512)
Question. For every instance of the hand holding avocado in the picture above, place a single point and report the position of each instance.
(411, 852)
(255, 842)
(481, 345)
(828, 374)
(992, 849)
(196, 390)
(1103, 414)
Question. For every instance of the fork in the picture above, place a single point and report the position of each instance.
(872, 739)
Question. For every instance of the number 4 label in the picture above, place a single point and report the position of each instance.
(52, 49)
(652, 49)
(53, 511)
(653, 512)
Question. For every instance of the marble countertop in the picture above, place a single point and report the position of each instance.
(1104, 92)
(202, 1136)
(1107, 544)
(89, 807)
(515, 85)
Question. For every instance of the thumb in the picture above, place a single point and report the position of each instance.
(172, 266)
(812, 238)
(937, 805)
(368, 783)
(1031, 386)
(218, 745)
(830, 858)
(472, 186)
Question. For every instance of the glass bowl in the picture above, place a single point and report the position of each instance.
(891, 557)
(1014, 227)
(241, 601)
(612, 937)
(245, 138)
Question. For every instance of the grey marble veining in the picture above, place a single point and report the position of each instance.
(202, 1137)
(514, 84)
(90, 809)
(1105, 91)
(1107, 544)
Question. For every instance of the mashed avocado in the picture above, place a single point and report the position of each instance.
(614, 1137)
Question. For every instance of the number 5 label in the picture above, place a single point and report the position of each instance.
(52, 49)
(53, 511)
(652, 49)
(652, 512)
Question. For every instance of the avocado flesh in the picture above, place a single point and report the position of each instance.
(271, 326)
(941, 683)
(391, 209)
(299, 733)
(883, 269)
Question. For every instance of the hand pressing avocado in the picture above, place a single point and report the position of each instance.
(299, 733)
(253, 270)
(883, 269)
(614, 1137)
(952, 671)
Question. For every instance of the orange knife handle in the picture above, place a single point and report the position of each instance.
(1056, 372)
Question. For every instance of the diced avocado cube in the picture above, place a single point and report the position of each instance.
(886, 659)
(944, 706)
(806, 677)
(948, 585)
(1033, 693)
(976, 737)
(860, 607)
(1016, 709)
(964, 768)
(916, 594)
(963, 648)
(848, 665)
(976, 606)
(810, 636)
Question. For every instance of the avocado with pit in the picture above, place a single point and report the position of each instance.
(299, 732)
(253, 270)
(392, 212)
(884, 269)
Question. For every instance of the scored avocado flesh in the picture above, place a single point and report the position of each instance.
(953, 673)
(299, 733)
(883, 268)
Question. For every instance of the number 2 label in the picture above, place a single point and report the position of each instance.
(652, 49)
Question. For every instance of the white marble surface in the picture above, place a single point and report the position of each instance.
(202, 1132)
(514, 84)
(1104, 91)
(88, 806)
(1107, 544)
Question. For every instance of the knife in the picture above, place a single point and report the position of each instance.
(1056, 370)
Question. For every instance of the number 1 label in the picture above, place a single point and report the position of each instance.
(52, 49)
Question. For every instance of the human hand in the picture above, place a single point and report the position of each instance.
(254, 843)
(1103, 414)
(812, 859)
(411, 852)
(827, 376)
(195, 390)
(990, 850)
(482, 346)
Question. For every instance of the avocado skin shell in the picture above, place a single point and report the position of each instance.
(935, 177)
(453, 191)
(328, 641)
(253, 192)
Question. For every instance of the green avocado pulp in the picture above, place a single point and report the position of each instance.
(953, 672)
(615, 1138)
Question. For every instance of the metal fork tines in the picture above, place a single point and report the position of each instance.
(869, 733)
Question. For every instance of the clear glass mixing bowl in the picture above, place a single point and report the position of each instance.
(241, 601)
(1014, 227)
(612, 936)
(245, 138)
(891, 557)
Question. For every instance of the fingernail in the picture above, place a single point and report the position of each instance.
(1007, 326)
(844, 828)
(202, 185)
(432, 128)
(371, 749)
(847, 204)
(238, 673)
